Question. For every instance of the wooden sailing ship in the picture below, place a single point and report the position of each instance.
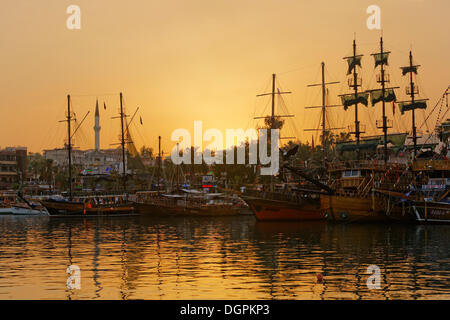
(429, 200)
(355, 198)
(187, 203)
(290, 203)
(184, 202)
(91, 205)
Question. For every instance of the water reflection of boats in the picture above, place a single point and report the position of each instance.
(189, 203)
(271, 228)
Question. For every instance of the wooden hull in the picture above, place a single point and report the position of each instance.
(63, 208)
(278, 210)
(361, 209)
(75, 209)
(174, 210)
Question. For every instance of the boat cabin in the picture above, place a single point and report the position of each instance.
(360, 177)
(433, 179)
(7, 199)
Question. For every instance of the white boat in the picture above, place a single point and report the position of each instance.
(21, 210)
(6, 210)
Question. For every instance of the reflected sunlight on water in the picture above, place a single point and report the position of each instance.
(219, 258)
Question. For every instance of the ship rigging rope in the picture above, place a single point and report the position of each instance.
(420, 85)
(331, 115)
(267, 84)
(284, 108)
(264, 88)
(343, 89)
(439, 118)
(50, 137)
(371, 110)
(439, 102)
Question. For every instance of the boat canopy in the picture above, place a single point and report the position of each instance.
(396, 141)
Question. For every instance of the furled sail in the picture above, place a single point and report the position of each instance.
(381, 58)
(353, 62)
(377, 96)
(408, 69)
(407, 106)
(351, 99)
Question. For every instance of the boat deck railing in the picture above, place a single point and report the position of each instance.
(287, 195)
(430, 165)
(377, 165)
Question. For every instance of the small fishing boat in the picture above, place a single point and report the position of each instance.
(16, 204)
(21, 210)
(188, 203)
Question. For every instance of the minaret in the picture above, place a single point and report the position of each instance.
(97, 128)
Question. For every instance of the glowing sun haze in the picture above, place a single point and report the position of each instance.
(181, 61)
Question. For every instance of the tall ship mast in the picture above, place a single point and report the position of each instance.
(360, 186)
(357, 97)
(273, 116)
(122, 117)
(295, 202)
(383, 95)
(272, 119)
(324, 106)
(412, 90)
(69, 145)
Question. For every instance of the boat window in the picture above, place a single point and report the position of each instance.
(350, 173)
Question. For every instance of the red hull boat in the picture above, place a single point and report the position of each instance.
(302, 209)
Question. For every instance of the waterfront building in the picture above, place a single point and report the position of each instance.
(13, 164)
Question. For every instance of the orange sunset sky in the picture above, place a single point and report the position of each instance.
(186, 60)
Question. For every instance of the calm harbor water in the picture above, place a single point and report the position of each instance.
(219, 258)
